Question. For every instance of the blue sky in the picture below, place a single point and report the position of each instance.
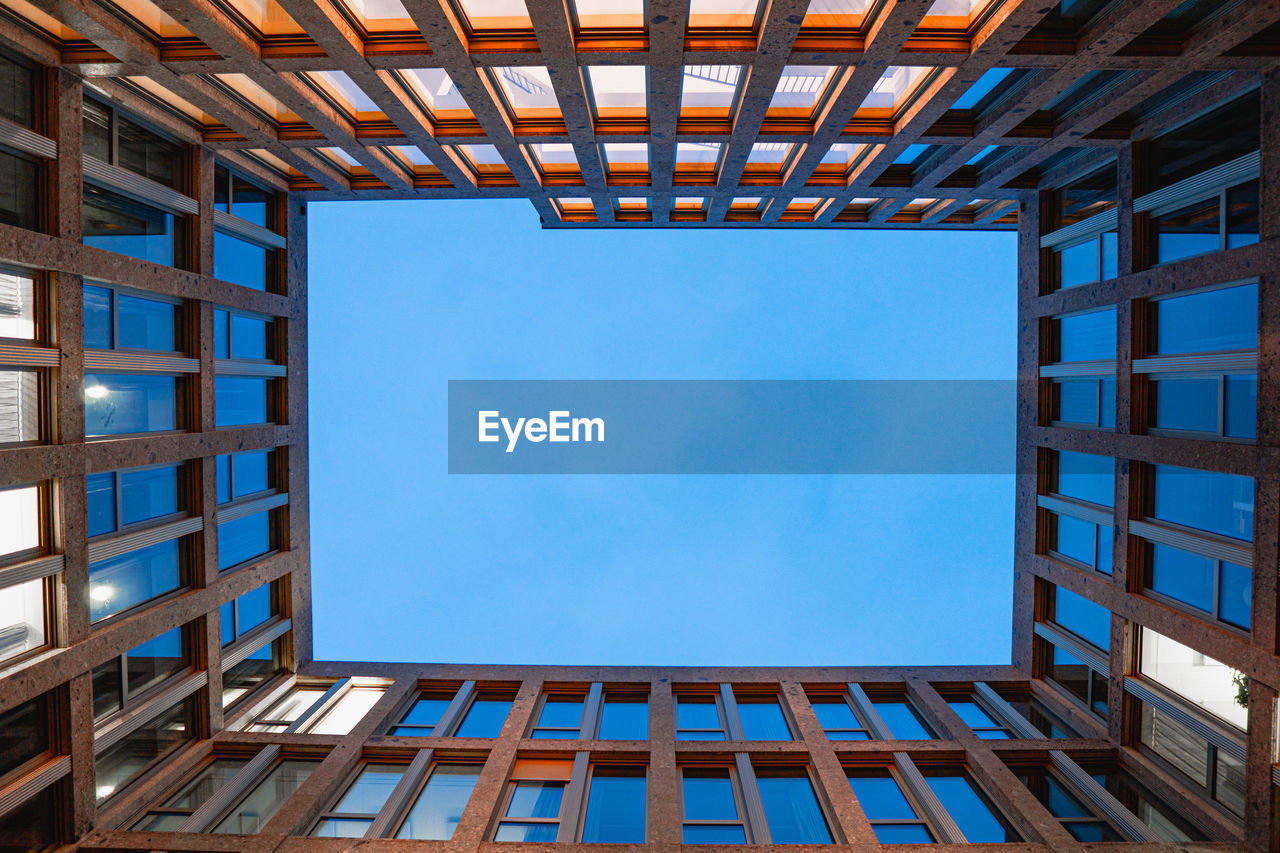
(678, 570)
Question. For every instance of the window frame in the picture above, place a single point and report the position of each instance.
(128, 702)
(699, 698)
(739, 798)
(116, 291)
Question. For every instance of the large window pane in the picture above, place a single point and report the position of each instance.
(763, 721)
(260, 806)
(19, 183)
(100, 507)
(249, 201)
(148, 493)
(903, 722)
(439, 807)
(122, 225)
(145, 323)
(709, 796)
(148, 154)
(117, 584)
(1086, 477)
(19, 406)
(1187, 231)
(969, 810)
(248, 337)
(251, 673)
(155, 660)
(98, 326)
(1196, 677)
(351, 708)
(1186, 751)
(19, 521)
(1182, 576)
(623, 720)
(22, 618)
(17, 92)
(239, 261)
(1240, 415)
(1082, 617)
(243, 539)
(1206, 500)
(127, 759)
(1087, 337)
(1189, 403)
(1224, 319)
(792, 811)
(24, 733)
(116, 404)
(239, 400)
(364, 798)
(615, 809)
(17, 305)
(484, 718)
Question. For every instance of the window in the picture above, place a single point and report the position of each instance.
(791, 807)
(1209, 140)
(485, 717)
(119, 140)
(979, 720)
(242, 474)
(1047, 722)
(711, 806)
(1163, 819)
(624, 718)
(240, 335)
(970, 810)
(1206, 763)
(253, 812)
(24, 605)
(762, 719)
(349, 710)
(117, 404)
(560, 717)
(240, 261)
(251, 673)
(1078, 400)
(19, 190)
(121, 583)
(358, 807)
(1190, 392)
(1082, 258)
(1089, 621)
(119, 682)
(1078, 678)
(243, 539)
(1081, 492)
(131, 756)
(241, 400)
(1226, 219)
(123, 225)
(37, 823)
(182, 805)
(422, 718)
(1082, 823)
(1086, 477)
(534, 800)
(118, 500)
(892, 816)
(699, 718)
(239, 196)
(1196, 678)
(903, 720)
(837, 718)
(439, 807)
(19, 405)
(615, 809)
(334, 716)
(24, 735)
(115, 319)
(17, 299)
(286, 711)
(242, 614)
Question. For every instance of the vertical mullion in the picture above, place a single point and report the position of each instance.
(398, 801)
(867, 711)
(732, 722)
(942, 822)
(753, 804)
(452, 715)
(589, 725)
(571, 806)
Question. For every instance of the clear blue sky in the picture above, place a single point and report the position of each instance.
(410, 563)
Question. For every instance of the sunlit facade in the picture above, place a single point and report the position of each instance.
(157, 685)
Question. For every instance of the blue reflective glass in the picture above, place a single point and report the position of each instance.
(239, 400)
(223, 475)
(97, 317)
(227, 623)
(484, 718)
(248, 337)
(902, 833)
(543, 833)
(148, 493)
(1242, 214)
(249, 201)
(145, 323)
(1106, 544)
(533, 798)
(1241, 414)
(122, 225)
(243, 539)
(1183, 576)
(221, 334)
(127, 403)
(1110, 244)
(969, 810)
(981, 88)
(615, 810)
(709, 798)
(101, 503)
(973, 715)
(712, 834)
(126, 581)
(249, 473)
(911, 153)
(253, 609)
(342, 828)
(836, 715)
(426, 712)
(1078, 401)
(239, 261)
(1235, 595)
(561, 713)
(1078, 264)
(1061, 803)
(1087, 337)
(763, 721)
(1107, 415)
(1222, 319)
(1206, 500)
(1188, 231)
(1087, 477)
(439, 807)
(1187, 404)
(902, 721)
(624, 720)
(1092, 832)
(1082, 617)
(697, 715)
(1076, 539)
(881, 798)
(368, 793)
(792, 811)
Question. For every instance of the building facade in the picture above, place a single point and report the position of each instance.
(157, 157)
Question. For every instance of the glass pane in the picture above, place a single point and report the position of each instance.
(371, 789)
(731, 834)
(1087, 337)
(145, 323)
(902, 833)
(1242, 215)
(1070, 673)
(1235, 595)
(439, 807)
(1185, 751)
(155, 660)
(22, 618)
(342, 828)
(1187, 404)
(100, 503)
(1106, 544)
(763, 721)
(250, 673)
(204, 786)
(1241, 414)
(426, 712)
(532, 798)
(615, 810)
(287, 710)
(692, 714)
(528, 832)
(1077, 401)
(148, 154)
(1222, 319)
(223, 476)
(1183, 576)
(1230, 790)
(1206, 500)
(485, 718)
(624, 720)
(221, 334)
(1086, 477)
(248, 337)
(973, 714)
(227, 622)
(1107, 416)
(253, 609)
(881, 798)
(1188, 231)
(243, 539)
(239, 261)
(792, 811)
(1083, 617)
(561, 713)
(902, 721)
(19, 183)
(17, 93)
(350, 710)
(126, 581)
(96, 130)
(1076, 539)
(118, 224)
(24, 733)
(969, 810)
(19, 406)
(259, 807)
(249, 473)
(1196, 677)
(249, 201)
(127, 403)
(1078, 264)
(148, 493)
(239, 400)
(19, 519)
(708, 797)
(97, 317)
(835, 715)
(124, 761)
(1110, 246)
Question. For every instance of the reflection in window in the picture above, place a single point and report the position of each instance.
(892, 817)
(561, 717)
(24, 734)
(1079, 679)
(179, 807)
(970, 810)
(762, 719)
(119, 499)
(118, 224)
(622, 718)
(838, 720)
(240, 400)
(1213, 769)
(1074, 816)
(120, 583)
(903, 721)
(240, 261)
(436, 813)
(115, 320)
(977, 718)
(355, 812)
(17, 302)
(346, 713)
(1209, 321)
(19, 406)
(118, 682)
(698, 718)
(1197, 678)
(791, 808)
(255, 810)
(615, 807)
(484, 718)
(242, 474)
(1084, 618)
(241, 615)
(118, 404)
(243, 539)
(423, 717)
(251, 673)
(533, 811)
(712, 814)
(128, 758)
